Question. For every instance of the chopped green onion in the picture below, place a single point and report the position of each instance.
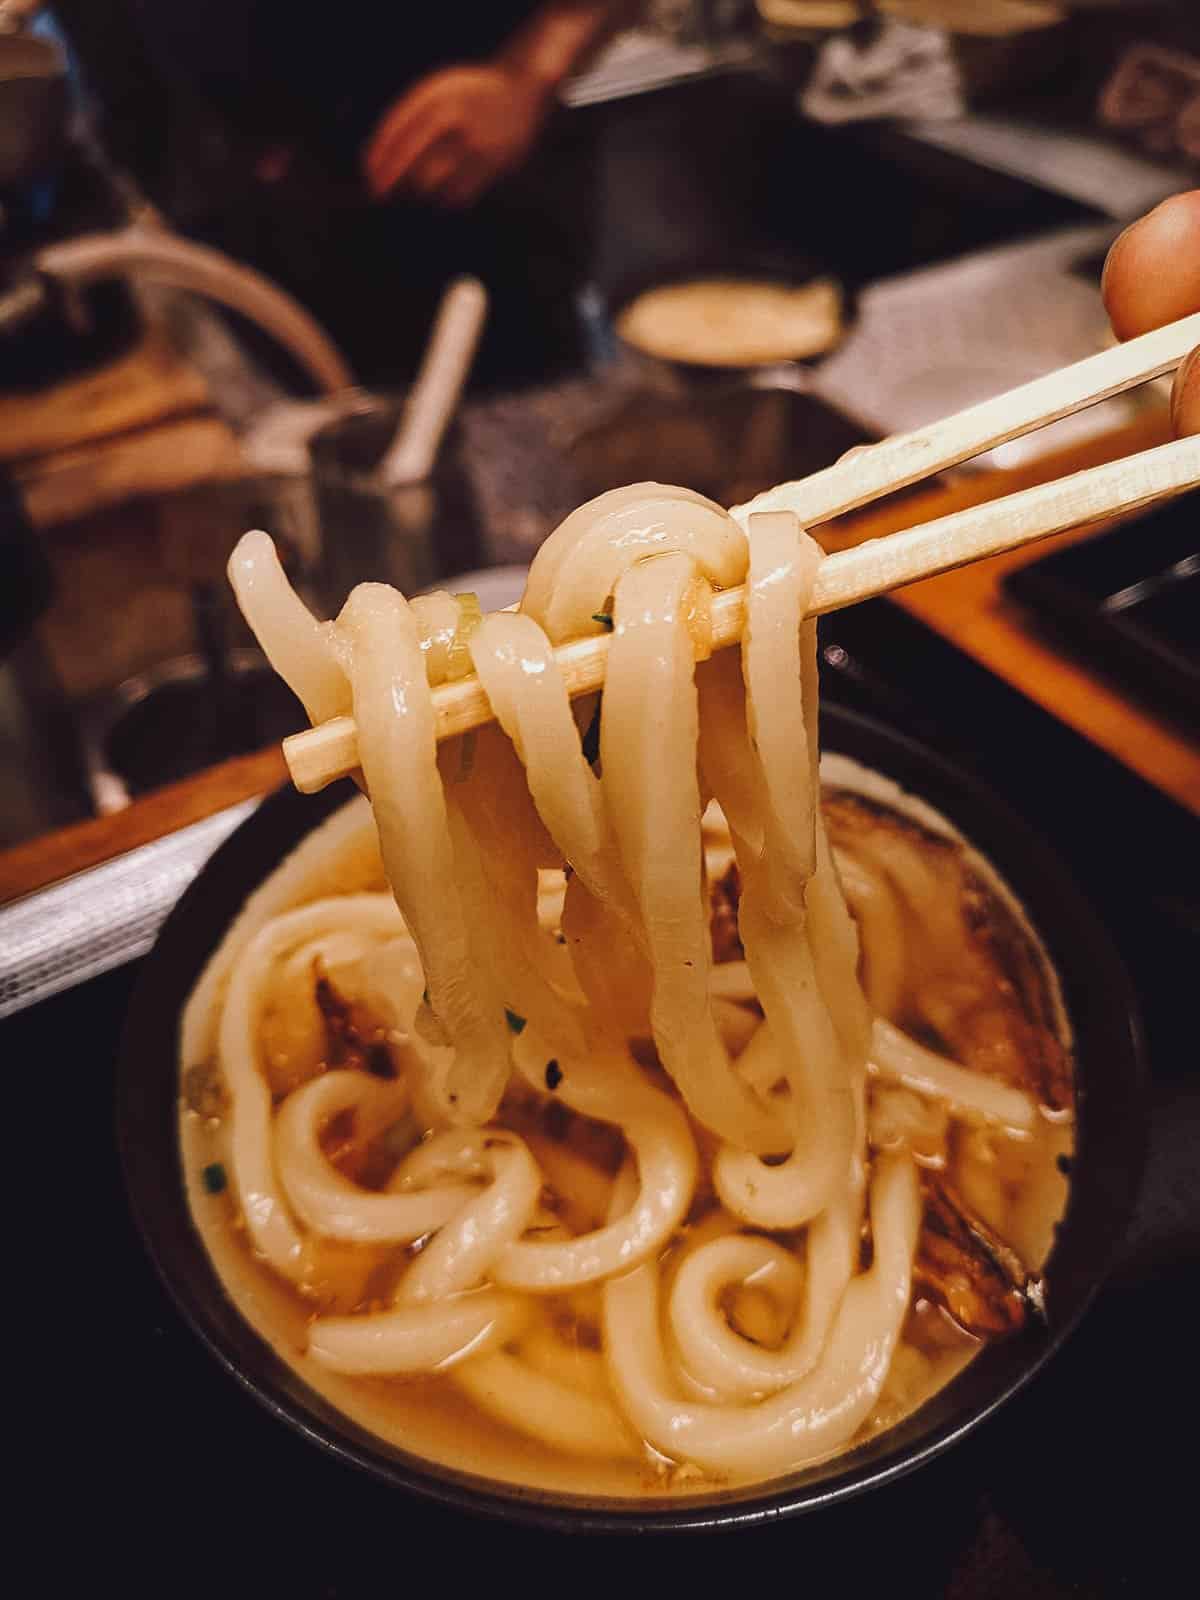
(516, 1023)
(458, 656)
(214, 1178)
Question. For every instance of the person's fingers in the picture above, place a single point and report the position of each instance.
(402, 114)
(436, 168)
(408, 130)
(466, 184)
(1185, 396)
(1152, 275)
(391, 128)
(399, 151)
(404, 157)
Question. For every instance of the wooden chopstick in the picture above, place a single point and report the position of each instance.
(330, 751)
(906, 458)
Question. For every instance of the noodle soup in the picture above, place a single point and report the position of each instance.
(599, 1110)
(947, 955)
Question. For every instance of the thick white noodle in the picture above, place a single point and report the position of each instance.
(435, 1319)
(516, 665)
(821, 1095)
(834, 939)
(607, 1087)
(648, 738)
(498, 845)
(464, 834)
(252, 1167)
(577, 568)
(897, 1058)
(808, 1420)
(467, 1248)
(339, 857)
(301, 649)
(736, 1368)
(321, 1197)
(554, 1412)
(783, 564)
(881, 930)
(805, 983)
(398, 747)
(416, 1338)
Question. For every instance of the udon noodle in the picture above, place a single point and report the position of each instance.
(584, 1109)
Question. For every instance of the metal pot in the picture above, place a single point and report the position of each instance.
(668, 375)
(408, 536)
(728, 441)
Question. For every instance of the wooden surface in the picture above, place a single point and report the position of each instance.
(969, 608)
(39, 862)
(966, 607)
(148, 384)
(141, 425)
(156, 459)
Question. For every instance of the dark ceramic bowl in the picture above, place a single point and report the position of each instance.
(1105, 1178)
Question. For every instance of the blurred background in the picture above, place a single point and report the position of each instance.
(719, 242)
(403, 284)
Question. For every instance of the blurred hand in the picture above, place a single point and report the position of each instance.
(456, 132)
(1152, 276)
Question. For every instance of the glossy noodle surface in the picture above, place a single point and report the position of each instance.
(595, 1108)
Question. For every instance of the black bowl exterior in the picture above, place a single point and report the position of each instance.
(1106, 1173)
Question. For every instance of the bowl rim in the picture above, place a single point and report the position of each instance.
(1104, 1186)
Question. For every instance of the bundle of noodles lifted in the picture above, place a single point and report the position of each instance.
(589, 1106)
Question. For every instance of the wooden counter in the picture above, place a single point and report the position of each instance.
(971, 610)
(967, 607)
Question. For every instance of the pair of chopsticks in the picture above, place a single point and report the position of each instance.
(330, 751)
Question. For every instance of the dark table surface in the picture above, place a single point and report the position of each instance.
(176, 1481)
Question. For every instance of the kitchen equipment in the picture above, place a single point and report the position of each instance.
(184, 716)
(783, 274)
(49, 188)
(367, 529)
(1104, 1179)
(385, 512)
(219, 699)
(436, 390)
(373, 462)
(330, 751)
(386, 499)
(728, 441)
(25, 577)
(336, 525)
(148, 252)
(733, 323)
